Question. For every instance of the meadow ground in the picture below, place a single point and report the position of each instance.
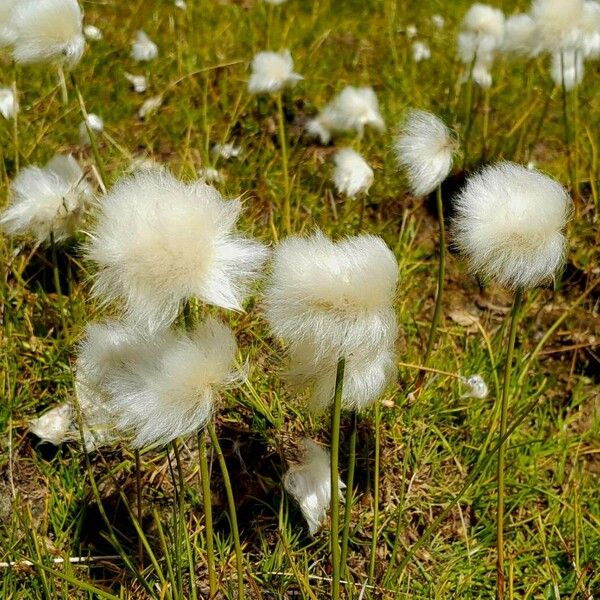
(433, 443)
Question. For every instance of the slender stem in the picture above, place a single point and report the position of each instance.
(15, 118)
(287, 210)
(486, 121)
(57, 286)
(567, 127)
(232, 513)
(575, 101)
(441, 275)
(349, 493)
(91, 134)
(63, 85)
(335, 492)
(518, 300)
(377, 412)
(208, 521)
(468, 109)
(176, 524)
(138, 491)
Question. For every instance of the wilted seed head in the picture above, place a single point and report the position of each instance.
(353, 109)
(567, 66)
(54, 426)
(425, 150)
(48, 200)
(47, 31)
(309, 483)
(9, 105)
(352, 174)
(159, 242)
(170, 389)
(509, 224)
(476, 387)
(520, 35)
(337, 297)
(143, 49)
(271, 72)
(557, 23)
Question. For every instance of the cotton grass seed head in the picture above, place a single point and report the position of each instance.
(143, 49)
(337, 297)
(158, 242)
(54, 425)
(475, 386)
(567, 66)
(47, 31)
(520, 35)
(95, 123)
(9, 106)
(48, 200)
(424, 149)
(557, 23)
(309, 483)
(7, 31)
(509, 224)
(420, 51)
(352, 175)
(92, 33)
(170, 392)
(271, 72)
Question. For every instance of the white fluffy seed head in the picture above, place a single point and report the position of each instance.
(143, 49)
(590, 29)
(271, 72)
(420, 51)
(557, 23)
(337, 297)
(520, 35)
(7, 31)
(48, 31)
(9, 106)
(353, 109)
(438, 21)
(352, 175)
(484, 20)
(54, 426)
(567, 65)
(509, 224)
(138, 82)
(92, 33)
(481, 35)
(48, 200)
(309, 483)
(159, 241)
(425, 149)
(170, 389)
(95, 123)
(476, 387)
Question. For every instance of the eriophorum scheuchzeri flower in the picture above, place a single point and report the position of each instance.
(510, 223)
(143, 49)
(272, 72)
(308, 481)
(353, 109)
(47, 31)
(425, 149)
(7, 31)
(331, 300)
(48, 201)
(352, 175)
(158, 242)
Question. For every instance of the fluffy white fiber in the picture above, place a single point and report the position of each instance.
(159, 241)
(309, 483)
(55, 425)
(95, 123)
(482, 33)
(590, 29)
(169, 389)
(352, 109)
(557, 23)
(425, 149)
(520, 35)
(352, 175)
(92, 33)
(138, 82)
(7, 31)
(420, 51)
(567, 65)
(271, 72)
(509, 224)
(47, 31)
(9, 106)
(143, 49)
(46, 200)
(475, 386)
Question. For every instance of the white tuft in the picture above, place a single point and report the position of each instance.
(352, 109)
(180, 4)
(567, 65)
(411, 31)
(438, 21)
(476, 387)
(226, 151)
(92, 33)
(520, 35)
(159, 242)
(54, 426)
(274, 2)
(482, 76)
(509, 224)
(309, 483)
(149, 106)
(170, 389)
(95, 123)
(143, 49)
(420, 51)
(557, 23)
(590, 30)
(48, 200)
(7, 31)
(9, 106)
(352, 175)
(271, 72)
(48, 31)
(138, 82)
(425, 149)
(210, 175)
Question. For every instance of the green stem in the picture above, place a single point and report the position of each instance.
(138, 491)
(567, 127)
(349, 493)
(91, 134)
(15, 119)
(437, 313)
(57, 286)
(287, 210)
(575, 101)
(208, 521)
(63, 85)
(232, 513)
(468, 109)
(375, 493)
(334, 479)
(518, 300)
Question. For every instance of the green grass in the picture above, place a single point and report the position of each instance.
(431, 444)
